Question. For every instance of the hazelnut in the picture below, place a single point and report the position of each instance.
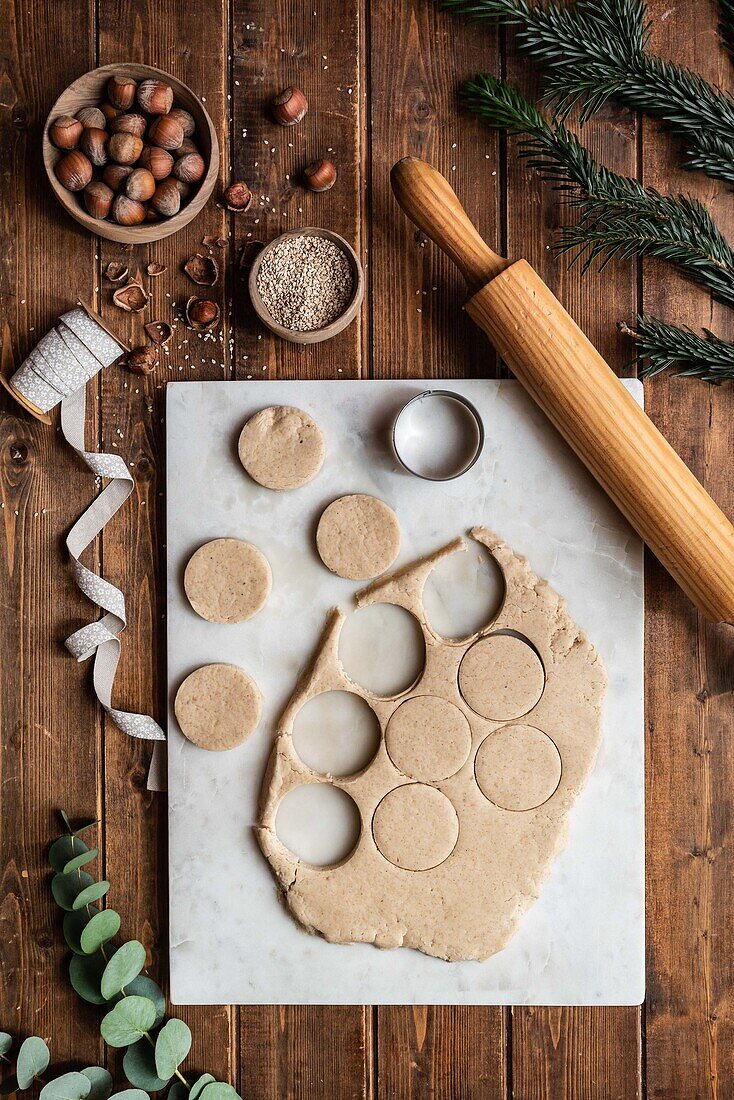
(125, 148)
(155, 97)
(187, 146)
(158, 161)
(98, 199)
(166, 198)
(237, 196)
(74, 171)
(140, 184)
(93, 143)
(91, 116)
(202, 314)
(109, 111)
(126, 211)
(65, 132)
(121, 92)
(188, 125)
(189, 168)
(143, 360)
(128, 124)
(319, 176)
(289, 106)
(184, 189)
(115, 175)
(166, 132)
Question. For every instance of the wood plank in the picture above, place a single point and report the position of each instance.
(194, 49)
(49, 730)
(299, 1051)
(418, 54)
(574, 1052)
(690, 866)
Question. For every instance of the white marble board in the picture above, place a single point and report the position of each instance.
(231, 941)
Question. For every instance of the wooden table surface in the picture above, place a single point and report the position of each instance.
(381, 76)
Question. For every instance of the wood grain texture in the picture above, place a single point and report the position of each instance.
(690, 866)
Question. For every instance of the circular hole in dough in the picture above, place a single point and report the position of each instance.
(501, 677)
(218, 707)
(319, 823)
(358, 537)
(428, 738)
(518, 767)
(415, 827)
(281, 447)
(381, 648)
(336, 733)
(227, 580)
(464, 593)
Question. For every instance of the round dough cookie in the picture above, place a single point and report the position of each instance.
(518, 767)
(218, 707)
(358, 537)
(281, 447)
(415, 827)
(428, 738)
(501, 677)
(227, 580)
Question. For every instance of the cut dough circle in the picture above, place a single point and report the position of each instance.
(227, 580)
(428, 738)
(281, 447)
(218, 707)
(358, 537)
(518, 767)
(415, 827)
(501, 677)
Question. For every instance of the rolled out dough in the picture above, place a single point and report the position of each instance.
(358, 537)
(450, 865)
(281, 447)
(218, 707)
(227, 580)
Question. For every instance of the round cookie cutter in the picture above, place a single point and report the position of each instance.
(428, 416)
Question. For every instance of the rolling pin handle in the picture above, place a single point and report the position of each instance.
(430, 202)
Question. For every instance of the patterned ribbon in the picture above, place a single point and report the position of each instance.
(57, 371)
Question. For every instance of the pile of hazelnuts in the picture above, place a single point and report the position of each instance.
(133, 158)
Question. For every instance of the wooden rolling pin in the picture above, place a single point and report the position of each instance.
(582, 397)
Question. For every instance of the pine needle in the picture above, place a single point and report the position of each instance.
(597, 50)
(617, 215)
(726, 23)
(661, 346)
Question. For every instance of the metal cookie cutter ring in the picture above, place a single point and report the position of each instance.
(438, 435)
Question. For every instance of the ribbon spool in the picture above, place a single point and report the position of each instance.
(55, 373)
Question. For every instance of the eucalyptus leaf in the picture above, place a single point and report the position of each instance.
(171, 1047)
(33, 1059)
(101, 928)
(198, 1086)
(70, 1086)
(64, 849)
(9, 1085)
(67, 888)
(219, 1091)
(74, 924)
(93, 892)
(65, 819)
(85, 975)
(131, 1094)
(6, 1042)
(128, 1021)
(101, 1082)
(139, 1067)
(143, 986)
(177, 1091)
(125, 964)
(82, 859)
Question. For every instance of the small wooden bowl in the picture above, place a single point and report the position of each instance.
(341, 322)
(89, 91)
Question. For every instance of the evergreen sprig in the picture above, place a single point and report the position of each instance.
(661, 346)
(617, 215)
(726, 23)
(597, 50)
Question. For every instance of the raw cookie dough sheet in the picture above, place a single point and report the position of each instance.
(232, 941)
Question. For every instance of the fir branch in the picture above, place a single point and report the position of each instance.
(597, 50)
(661, 346)
(726, 23)
(618, 216)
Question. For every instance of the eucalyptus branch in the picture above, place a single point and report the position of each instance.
(597, 50)
(661, 346)
(617, 215)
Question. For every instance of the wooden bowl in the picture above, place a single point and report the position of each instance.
(89, 91)
(316, 335)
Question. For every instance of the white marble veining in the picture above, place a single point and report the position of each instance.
(231, 939)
